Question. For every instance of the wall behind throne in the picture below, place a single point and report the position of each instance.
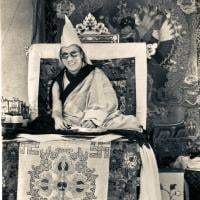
(16, 34)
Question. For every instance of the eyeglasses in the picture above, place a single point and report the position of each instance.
(73, 54)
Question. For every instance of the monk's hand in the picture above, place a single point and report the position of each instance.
(88, 124)
(59, 123)
(67, 124)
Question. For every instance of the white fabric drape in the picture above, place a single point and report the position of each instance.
(149, 176)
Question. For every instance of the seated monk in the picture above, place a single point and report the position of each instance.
(82, 95)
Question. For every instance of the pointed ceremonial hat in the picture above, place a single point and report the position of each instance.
(70, 37)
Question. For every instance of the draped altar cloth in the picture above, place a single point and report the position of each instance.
(70, 170)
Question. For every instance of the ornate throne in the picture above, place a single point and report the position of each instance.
(127, 70)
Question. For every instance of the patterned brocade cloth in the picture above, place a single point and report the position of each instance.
(10, 156)
(125, 166)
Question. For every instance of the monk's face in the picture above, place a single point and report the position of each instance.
(71, 57)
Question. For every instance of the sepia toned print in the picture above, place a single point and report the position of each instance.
(100, 99)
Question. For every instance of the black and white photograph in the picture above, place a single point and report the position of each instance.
(100, 99)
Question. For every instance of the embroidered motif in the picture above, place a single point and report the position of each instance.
(29, 147)
(63, 8)
(187, 7)
(98, 149)
(131, 160)
(62, 173)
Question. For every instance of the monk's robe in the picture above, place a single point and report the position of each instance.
(93, 98)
